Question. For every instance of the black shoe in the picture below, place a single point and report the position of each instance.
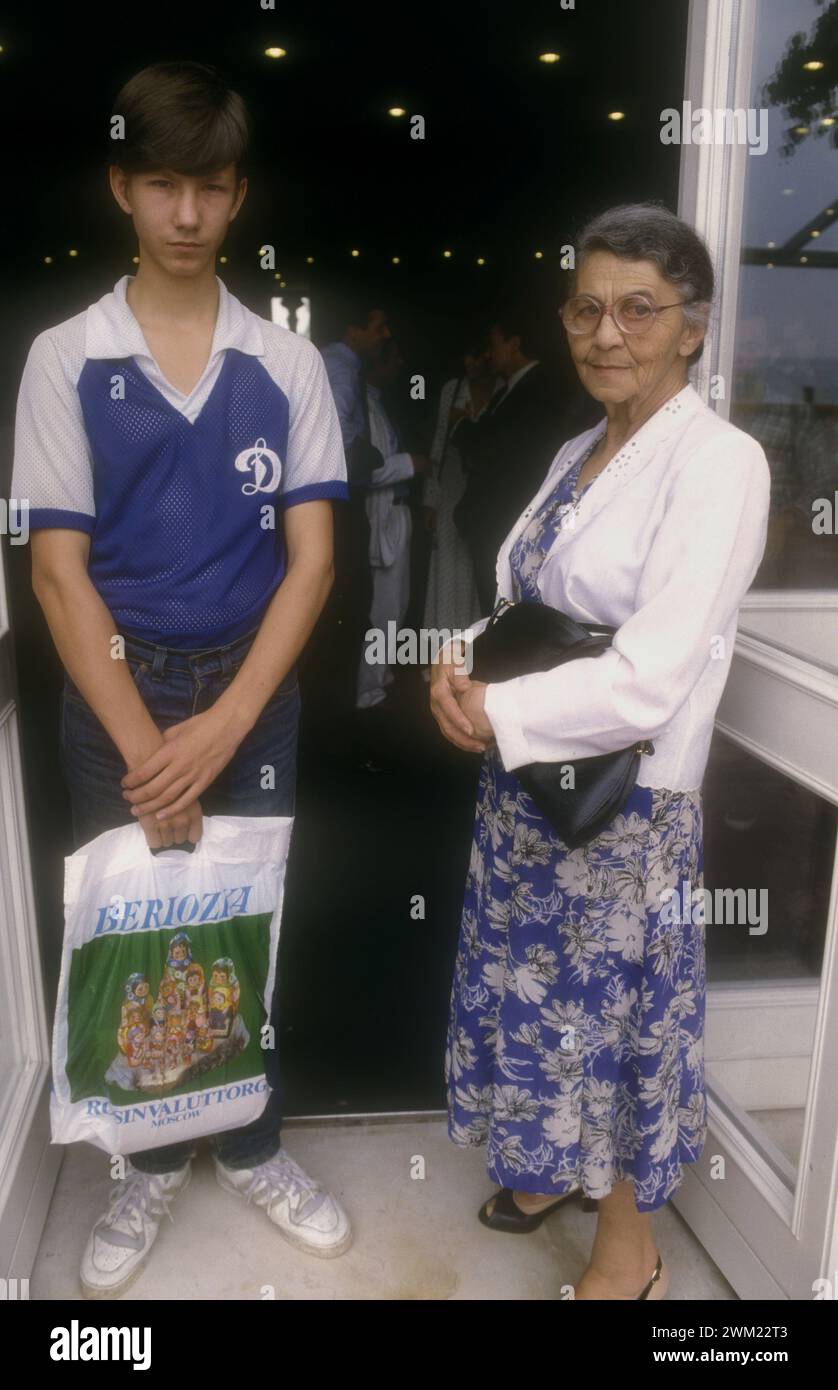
(654, 1280)
(508, 1216)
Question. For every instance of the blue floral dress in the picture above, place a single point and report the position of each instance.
(575, 1047)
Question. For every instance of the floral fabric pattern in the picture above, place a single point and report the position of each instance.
(575, 1048)
(535, 541)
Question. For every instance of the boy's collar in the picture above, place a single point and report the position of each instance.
(112, 331)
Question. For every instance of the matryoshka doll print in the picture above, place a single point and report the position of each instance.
(223, 995)
(136, 1009)
(196, 991)
(179, 960)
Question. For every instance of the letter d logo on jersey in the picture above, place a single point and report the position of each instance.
(265, 479)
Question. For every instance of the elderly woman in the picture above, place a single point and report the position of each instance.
(576, 1037)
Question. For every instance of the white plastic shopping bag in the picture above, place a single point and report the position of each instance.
(167, 977)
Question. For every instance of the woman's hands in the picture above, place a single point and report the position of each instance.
(472, 699)
(457, 706)
(190, 757)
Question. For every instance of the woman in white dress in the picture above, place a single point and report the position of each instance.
(451, 600)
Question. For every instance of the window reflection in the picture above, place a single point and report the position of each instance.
(765, 832)
(776, 839)
(785, 388)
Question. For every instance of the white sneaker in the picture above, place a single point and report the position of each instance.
(306, 1214)
(121, 1240)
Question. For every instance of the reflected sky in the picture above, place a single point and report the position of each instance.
(788, 315)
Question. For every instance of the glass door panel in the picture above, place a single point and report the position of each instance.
(770, 844)
(785, 379)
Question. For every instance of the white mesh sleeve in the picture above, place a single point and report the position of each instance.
(52, 470)
(315, 466)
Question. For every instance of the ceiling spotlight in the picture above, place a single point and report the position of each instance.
(275, 52)
(135, 260)
(830, 212)
(277, 275)
(354, 252)
(801, 129)
(309, 260)
(769, 265)
(804, 260)
(481, 260)
(771, 244)
(548, 57)
(539, 255)
(616, 115)
(813, 65)
(397, 111)
(72, 252)
(47, 259)
(816, 233)
(448, 255)
(223, 260)
(827, 120)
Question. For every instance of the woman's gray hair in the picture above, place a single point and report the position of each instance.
(650, 232)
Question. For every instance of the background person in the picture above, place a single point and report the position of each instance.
(361, 327)
(508, 449)
(451, 599)
(391, 526)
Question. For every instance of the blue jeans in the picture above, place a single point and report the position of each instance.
(175, 685)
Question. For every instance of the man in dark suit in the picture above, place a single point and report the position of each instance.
(506, 452)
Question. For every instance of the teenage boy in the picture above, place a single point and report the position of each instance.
(179, 455)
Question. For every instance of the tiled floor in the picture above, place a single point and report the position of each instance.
(415, 1238)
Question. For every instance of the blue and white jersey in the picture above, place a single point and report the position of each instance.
(181, 495)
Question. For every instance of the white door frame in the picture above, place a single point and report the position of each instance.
(29, 1164)
(771, 1230)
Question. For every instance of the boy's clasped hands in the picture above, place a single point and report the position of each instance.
(165, 787)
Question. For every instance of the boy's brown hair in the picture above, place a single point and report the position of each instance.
(180, 116)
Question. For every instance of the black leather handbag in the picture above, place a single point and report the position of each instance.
(522, 638)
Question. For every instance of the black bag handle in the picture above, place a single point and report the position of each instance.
(595, 629)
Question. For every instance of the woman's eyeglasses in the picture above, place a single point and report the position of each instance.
(634, 313)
